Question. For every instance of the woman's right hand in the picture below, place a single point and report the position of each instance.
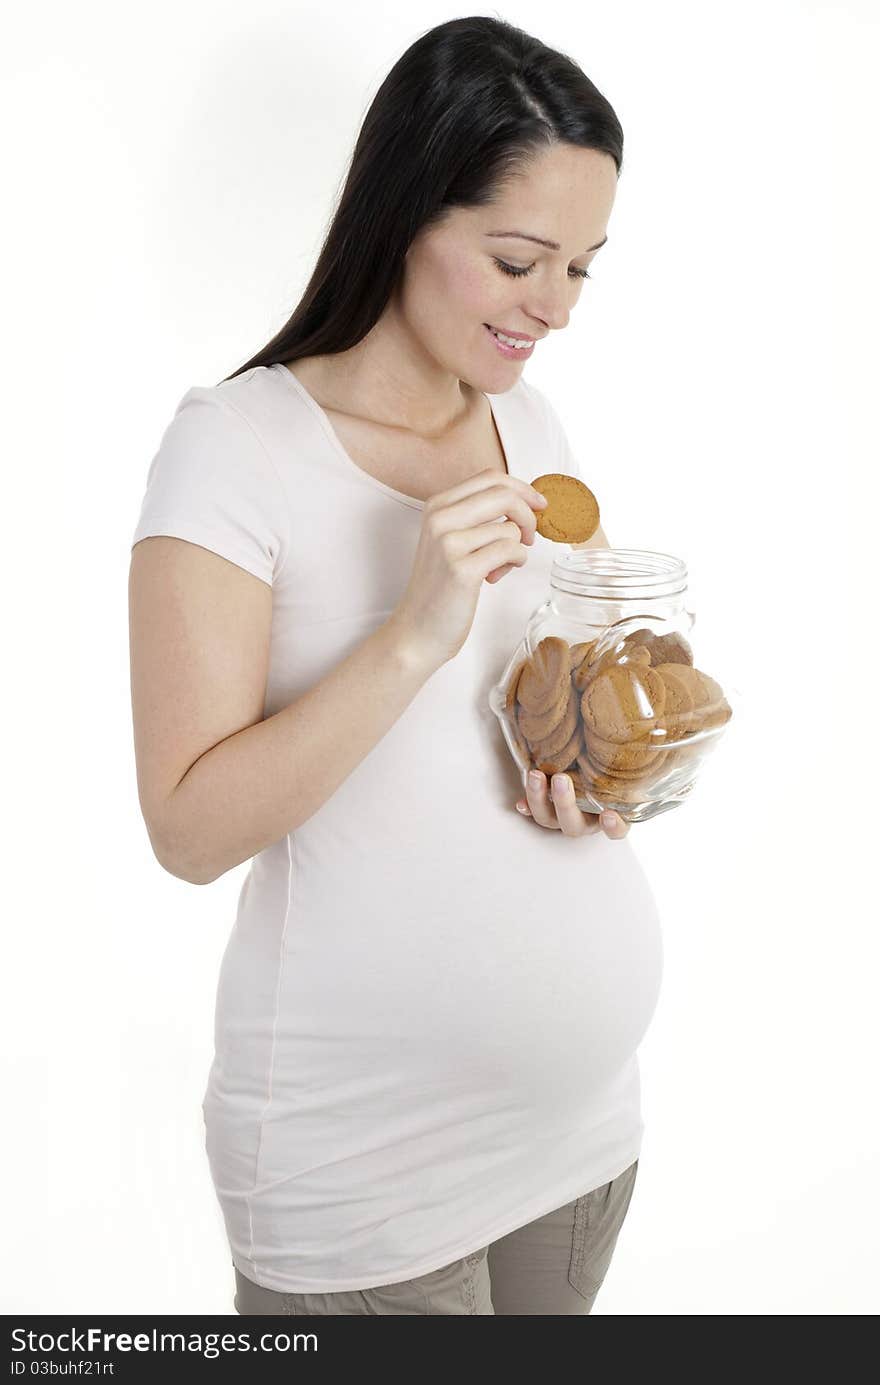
(461, 545)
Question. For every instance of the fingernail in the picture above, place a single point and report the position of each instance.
(536, 779)
(609, 819)
(560, 783)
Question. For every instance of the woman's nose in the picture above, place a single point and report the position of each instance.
(550, 306)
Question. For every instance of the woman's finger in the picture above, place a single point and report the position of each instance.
(572, 821)
(538, 799)
(613, 825)
(556, 808)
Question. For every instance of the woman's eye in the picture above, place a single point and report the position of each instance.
(517, 270)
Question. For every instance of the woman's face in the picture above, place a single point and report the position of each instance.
(455, 282)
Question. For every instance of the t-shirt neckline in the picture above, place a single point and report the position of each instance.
(299, 388)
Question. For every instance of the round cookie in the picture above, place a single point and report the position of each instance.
(572, 512)
(608, 780)
(638, 655)
(561, 734)
(578, 653)
(716, 710)
(609, 787)
(671, 648)
(555, 764)
(622, 703)
(537, 726)
(689, 723)
(631, 758)
(585, 670)
(680, 699)
(546, 672)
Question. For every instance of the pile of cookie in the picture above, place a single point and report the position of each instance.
(606, 719)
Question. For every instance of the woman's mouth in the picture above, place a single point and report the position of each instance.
(513, 353)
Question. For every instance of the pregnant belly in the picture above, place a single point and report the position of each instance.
(547, 1010)
(538, 996)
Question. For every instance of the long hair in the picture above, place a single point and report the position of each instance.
(461, 113)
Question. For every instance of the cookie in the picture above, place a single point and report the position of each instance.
(580, 652)
(556, 764)
(675, 719)
(716, 710)
(636, 654)
(561, 734)
(544, 676)
(537, 726)
(692, 722)
(585, 669)
(710, 710)
(572, 512)
(623, 702)
(671, 648)
(610, 787)
(631, 758)
(588, 665)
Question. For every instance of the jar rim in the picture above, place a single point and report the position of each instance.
(619, 573)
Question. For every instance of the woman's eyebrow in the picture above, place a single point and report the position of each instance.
(550, 244)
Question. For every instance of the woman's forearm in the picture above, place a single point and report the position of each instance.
(253, 788)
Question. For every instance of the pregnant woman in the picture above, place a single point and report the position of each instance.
(424, 1096)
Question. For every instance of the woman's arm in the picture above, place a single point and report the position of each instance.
(218, 784)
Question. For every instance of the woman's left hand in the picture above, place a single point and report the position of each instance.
(562, 813)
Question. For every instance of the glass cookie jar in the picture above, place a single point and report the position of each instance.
(605, 685)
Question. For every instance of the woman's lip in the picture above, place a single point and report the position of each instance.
(517, 336)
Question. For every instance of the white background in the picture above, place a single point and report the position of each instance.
(172, 168)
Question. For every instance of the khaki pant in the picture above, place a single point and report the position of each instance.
(551, 1266)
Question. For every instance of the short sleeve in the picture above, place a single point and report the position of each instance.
(213, 482)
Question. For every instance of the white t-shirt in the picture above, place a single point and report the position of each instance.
(429, 1007)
